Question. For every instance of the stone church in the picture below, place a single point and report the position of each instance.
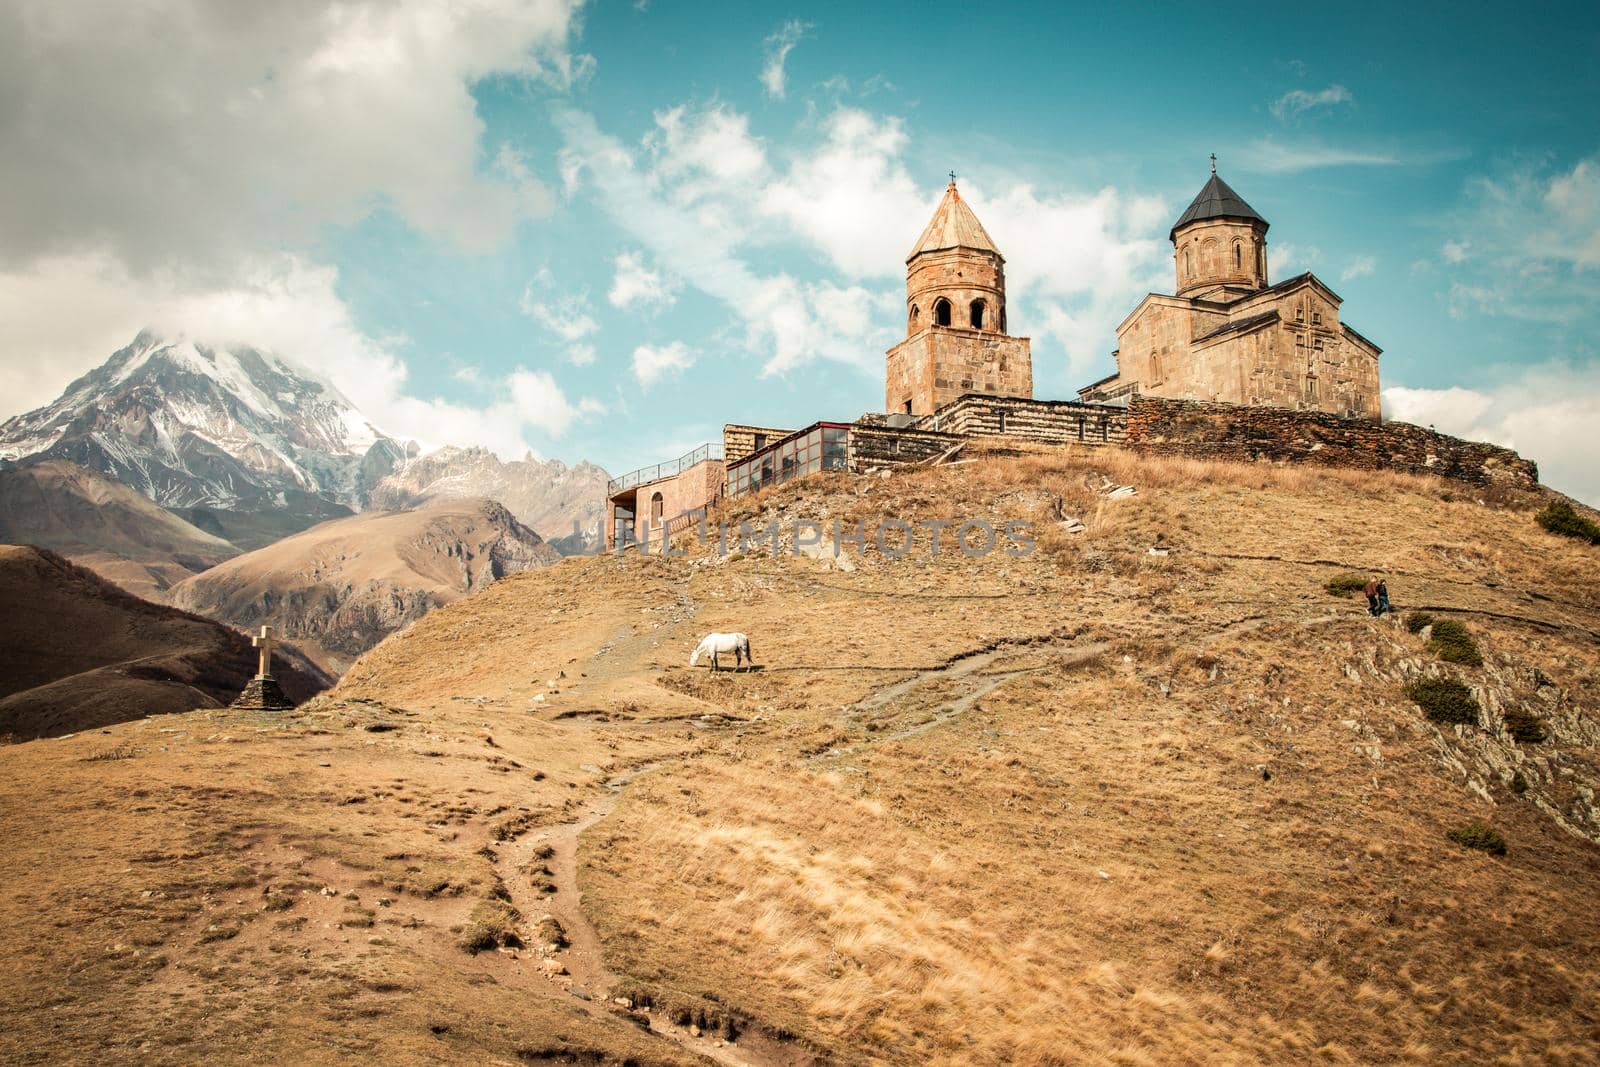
(1229, 336)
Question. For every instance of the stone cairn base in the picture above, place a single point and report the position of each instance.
(263, 694)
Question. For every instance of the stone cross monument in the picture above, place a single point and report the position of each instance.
(263, 693)
(266, 644)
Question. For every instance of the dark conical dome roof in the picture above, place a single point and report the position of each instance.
(1217, 201)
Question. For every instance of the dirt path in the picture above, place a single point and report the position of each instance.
(554, 849)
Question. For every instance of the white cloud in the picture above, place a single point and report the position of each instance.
(1535, 244)
(651, 363)
(778, 46)
(1359, 267)
(1549, 412)
(1285, 259)
(636, 285)
(184, 134)
(1076, 264)
(697, 214)
(581, 355)
(1299, 101)
(1276, 157)
(852, 197)
(565, 314)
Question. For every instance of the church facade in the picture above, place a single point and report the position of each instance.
(1227, 335)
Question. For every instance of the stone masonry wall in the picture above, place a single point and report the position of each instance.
(1052, 422)
(1224, 431)
(738, 440)
(939, 364)
(886, 446)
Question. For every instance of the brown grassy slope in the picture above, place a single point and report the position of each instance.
(891, 841)
(115, 531)
(340, 587)
(939, 895)
(77, 652)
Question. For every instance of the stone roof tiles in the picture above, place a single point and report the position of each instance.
(1216, 201)
(953, 226)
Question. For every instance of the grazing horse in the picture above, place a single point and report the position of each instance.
(721, 644)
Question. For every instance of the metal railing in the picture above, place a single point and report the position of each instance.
(664, 470)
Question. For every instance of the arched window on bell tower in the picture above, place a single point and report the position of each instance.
(1238, 256)
(978, 308)
(941, 312)
(911, 324)
(1188, 264)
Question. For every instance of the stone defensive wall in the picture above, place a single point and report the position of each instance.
(877, 444)
(1279, 435)
(1191, 428)
(1050, 422)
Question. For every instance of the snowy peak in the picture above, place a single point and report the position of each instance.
(190, 424)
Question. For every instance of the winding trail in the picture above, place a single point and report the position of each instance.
(555, 847)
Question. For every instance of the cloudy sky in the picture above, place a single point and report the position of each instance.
(599, 232)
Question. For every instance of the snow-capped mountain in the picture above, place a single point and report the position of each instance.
(197, 427)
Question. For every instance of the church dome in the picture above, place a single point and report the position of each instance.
(1217, 201)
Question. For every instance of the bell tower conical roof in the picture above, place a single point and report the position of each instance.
(953, 226)
(1217, 201)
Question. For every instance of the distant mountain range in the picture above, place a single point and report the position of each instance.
(248, 489)
(564, 504)
(102, 524)
(251, 448)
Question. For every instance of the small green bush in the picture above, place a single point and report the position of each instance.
(1345, 584)
(1525, 727)
(1418, 621)
(1477, 835)
(1444, 701)
(1452, 642)
(1558, 517)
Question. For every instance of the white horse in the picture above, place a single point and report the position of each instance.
(721, 644)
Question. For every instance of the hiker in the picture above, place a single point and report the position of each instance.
(1383, 598)
(1372, 596)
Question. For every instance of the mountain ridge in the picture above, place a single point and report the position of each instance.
(344, 585)
(104, 525)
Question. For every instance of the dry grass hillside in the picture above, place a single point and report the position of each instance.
(1091, 803)
(342, 586)
(77, 652)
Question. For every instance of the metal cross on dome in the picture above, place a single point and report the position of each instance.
(1213, 163)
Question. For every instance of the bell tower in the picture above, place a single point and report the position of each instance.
(956, 340)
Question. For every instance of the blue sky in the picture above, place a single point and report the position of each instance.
(601, 232)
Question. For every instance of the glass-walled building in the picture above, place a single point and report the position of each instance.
(820, 447)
